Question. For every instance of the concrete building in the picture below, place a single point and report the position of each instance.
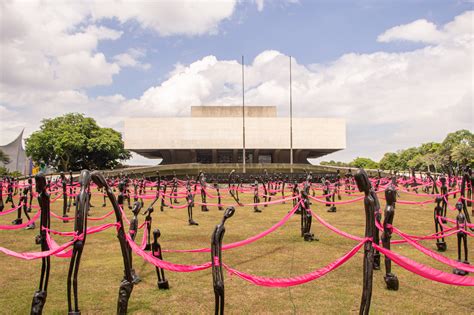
(213, 134)
(17, 155)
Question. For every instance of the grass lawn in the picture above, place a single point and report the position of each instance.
(282, 253)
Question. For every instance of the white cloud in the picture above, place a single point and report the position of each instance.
(390, 100)
(185, 17)
(417, 31)
(132, 59)
(427, 32)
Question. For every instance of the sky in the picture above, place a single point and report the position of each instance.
(399, 72)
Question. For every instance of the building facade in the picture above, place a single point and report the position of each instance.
(214, 134)
(17, 155)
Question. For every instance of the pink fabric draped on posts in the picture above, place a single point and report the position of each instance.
(21, 226)
(336, 202)
(334, 229)
(426, 271)
(288, 282)
(436, 256)
(243, 242)
(11, 210)
(164, 264)
(276, 201)
(90, 230)
(53, 245)
(36, 255)
(88, 218)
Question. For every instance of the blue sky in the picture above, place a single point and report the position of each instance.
(399, 72)
(310, 31)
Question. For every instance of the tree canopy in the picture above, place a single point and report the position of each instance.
(75, 142)
(457, 147)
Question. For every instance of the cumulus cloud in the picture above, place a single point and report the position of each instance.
(403, 98)
(186, 17)
(49, 50)
(390, 99)
(132, 59)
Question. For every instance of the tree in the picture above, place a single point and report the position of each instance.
(389, 162)
(362, 162)
(75, 142)
(453, 139)
(4, 158)
(463, 153)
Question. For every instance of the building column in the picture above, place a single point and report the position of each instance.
(276, 156)
(234, 156)
(255, 155)
(214, 156)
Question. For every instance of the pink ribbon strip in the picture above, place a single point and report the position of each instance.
(243, 242)
(425, 271)
(36, 255)
(162, 263)
(288, 282)
(21, 226)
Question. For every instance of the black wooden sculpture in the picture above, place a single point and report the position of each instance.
(219, 198)
(39, 298)
(190, 201)
(80, 227)
(202, 183)
(256, 198)
(216, 258)
(126, 286)
(438, 212)
(64, 192)
(148, 218)
(133, 230)
(391, 279)
(306, 216)
(2, 205)
(461, 225)
(371, 205)
(160, 272)
(467, 181)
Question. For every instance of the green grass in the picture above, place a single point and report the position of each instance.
(283, 253)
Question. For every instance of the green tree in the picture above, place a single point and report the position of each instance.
(74, 142)
(452, 140)
(4, 158)
(463, 153)
(389, 161)
(364, 163)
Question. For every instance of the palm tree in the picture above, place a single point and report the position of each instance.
(4, 158)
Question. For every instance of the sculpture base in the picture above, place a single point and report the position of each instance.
(441, 246)
(135, 278)
(30, 226)
(391, 281)
(376, 261)
(309, 237)
(163, 285)
(39, 299)
(17, 221)
(461, 272)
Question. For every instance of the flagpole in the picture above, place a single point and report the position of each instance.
(291, 123)
(243, 116)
